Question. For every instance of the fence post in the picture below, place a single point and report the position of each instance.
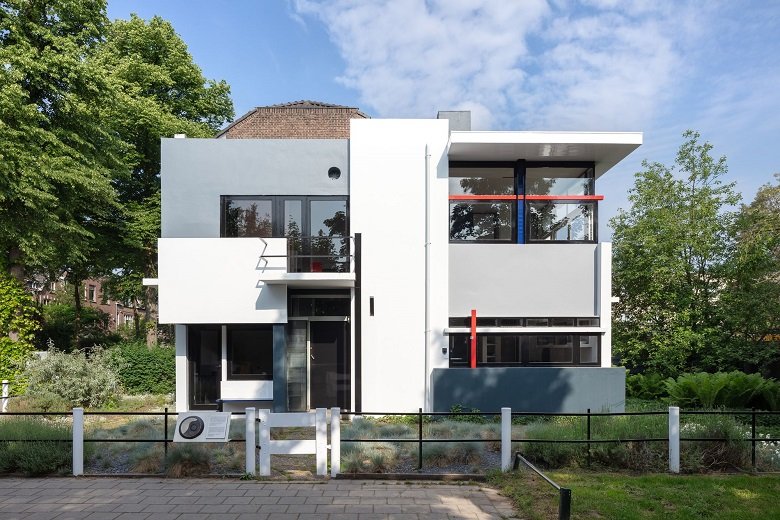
(753, 439)
(674, 439)
(5, 395)
(419, 438)
(506, 438)
(165, 432)
(78, 441)
(321, 440)
(264, 443)
(564, 504)
(588, 437)
(335, 441)
(250, 437)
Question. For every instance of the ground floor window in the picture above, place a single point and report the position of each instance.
(526, 350)
(250, 352)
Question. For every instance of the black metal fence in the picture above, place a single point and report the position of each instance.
(564, 494)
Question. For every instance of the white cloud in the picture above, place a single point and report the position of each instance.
(603, 65)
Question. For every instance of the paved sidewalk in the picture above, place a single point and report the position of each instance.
(214, 499)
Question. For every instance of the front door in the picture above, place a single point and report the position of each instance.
(329, 367)
(204, 354)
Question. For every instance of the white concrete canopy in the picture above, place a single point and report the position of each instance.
(606, 149)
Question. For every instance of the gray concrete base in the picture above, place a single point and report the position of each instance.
(530, 389)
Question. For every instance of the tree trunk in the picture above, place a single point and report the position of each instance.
(15, 268)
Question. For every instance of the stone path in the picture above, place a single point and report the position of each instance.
(212, 499)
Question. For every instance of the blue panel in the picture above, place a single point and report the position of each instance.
(520, 222)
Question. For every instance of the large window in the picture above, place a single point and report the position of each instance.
(526, 350)
(522, 202)
(250, 352)
(283, 216)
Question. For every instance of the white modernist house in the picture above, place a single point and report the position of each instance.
(413, 263)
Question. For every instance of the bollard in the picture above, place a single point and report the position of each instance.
(5, 396)
(321, 440)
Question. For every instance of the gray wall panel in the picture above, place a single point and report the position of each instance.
(523, 279)
(195, 172)
(530, 389)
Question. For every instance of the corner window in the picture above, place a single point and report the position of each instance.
(250, 352)
(487, 221)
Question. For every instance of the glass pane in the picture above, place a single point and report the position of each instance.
(250, 353)
(328, 218)
(560, 221)
(550, 349)
(481, 221)
(204, 352)
(293, 218)
(297, 368)
(482, 181)
(559, 181)
(248, 217)
(589, 349)
(498, 350)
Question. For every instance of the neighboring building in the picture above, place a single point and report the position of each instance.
(120, 314)
(305, 265)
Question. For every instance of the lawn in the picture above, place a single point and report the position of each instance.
(630, 496)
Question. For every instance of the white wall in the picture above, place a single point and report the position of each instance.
(605, 300)
(524, 280)
(182, 381)
(216, 280)
(387, 206)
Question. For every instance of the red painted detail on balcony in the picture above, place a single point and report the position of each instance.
(473, 356)
(483, 197)
(564, 197)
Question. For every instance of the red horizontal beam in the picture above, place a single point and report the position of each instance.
(564, 197)
(527, 197)
(483, 197)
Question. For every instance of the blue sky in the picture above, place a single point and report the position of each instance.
(610, 65)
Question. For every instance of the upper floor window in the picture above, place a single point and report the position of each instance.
(283, 216)
(522, 202)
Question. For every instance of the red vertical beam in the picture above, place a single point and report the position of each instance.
(473, 357)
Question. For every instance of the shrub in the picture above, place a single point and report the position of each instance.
(735, 390)
(19, 321)
(187, 460)
(76, 378)
(59, 328)
(709, 455)
(650, 387)
(34, 458)
(145, 370)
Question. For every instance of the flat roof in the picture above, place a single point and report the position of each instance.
(606, 149)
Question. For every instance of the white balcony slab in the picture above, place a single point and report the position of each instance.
(324, 280)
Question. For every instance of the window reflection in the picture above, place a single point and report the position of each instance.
(560, 221)
(481, 220)
(247, 217)
(482, 181)
(559, 181)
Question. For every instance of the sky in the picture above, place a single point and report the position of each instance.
(593, 65)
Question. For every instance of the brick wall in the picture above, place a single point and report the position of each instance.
(294, 123)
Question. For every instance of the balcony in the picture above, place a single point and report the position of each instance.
(315, 261)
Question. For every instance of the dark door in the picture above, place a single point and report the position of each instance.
(204, 354)
(329, 383)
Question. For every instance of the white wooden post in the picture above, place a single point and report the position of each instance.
(335, 441)
(251, 441)
(5, 395)
(321, 440)
(506, 439)
(264, 442)
(674, 439)
(78, 441)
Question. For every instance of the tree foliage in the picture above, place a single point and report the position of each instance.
(697, 280)
(19, 322)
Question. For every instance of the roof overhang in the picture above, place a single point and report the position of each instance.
(606, 149)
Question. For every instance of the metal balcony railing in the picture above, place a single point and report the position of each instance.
(320, 254)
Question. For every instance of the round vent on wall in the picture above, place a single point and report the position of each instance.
(334, 173)
(191, 427)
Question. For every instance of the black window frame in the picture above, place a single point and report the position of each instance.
(278, 213)
(229, 354)
(524, 350)
(520, 166)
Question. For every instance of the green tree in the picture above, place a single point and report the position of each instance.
(58, 156)
(670, 250)
(159, 91)
(751, 299)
